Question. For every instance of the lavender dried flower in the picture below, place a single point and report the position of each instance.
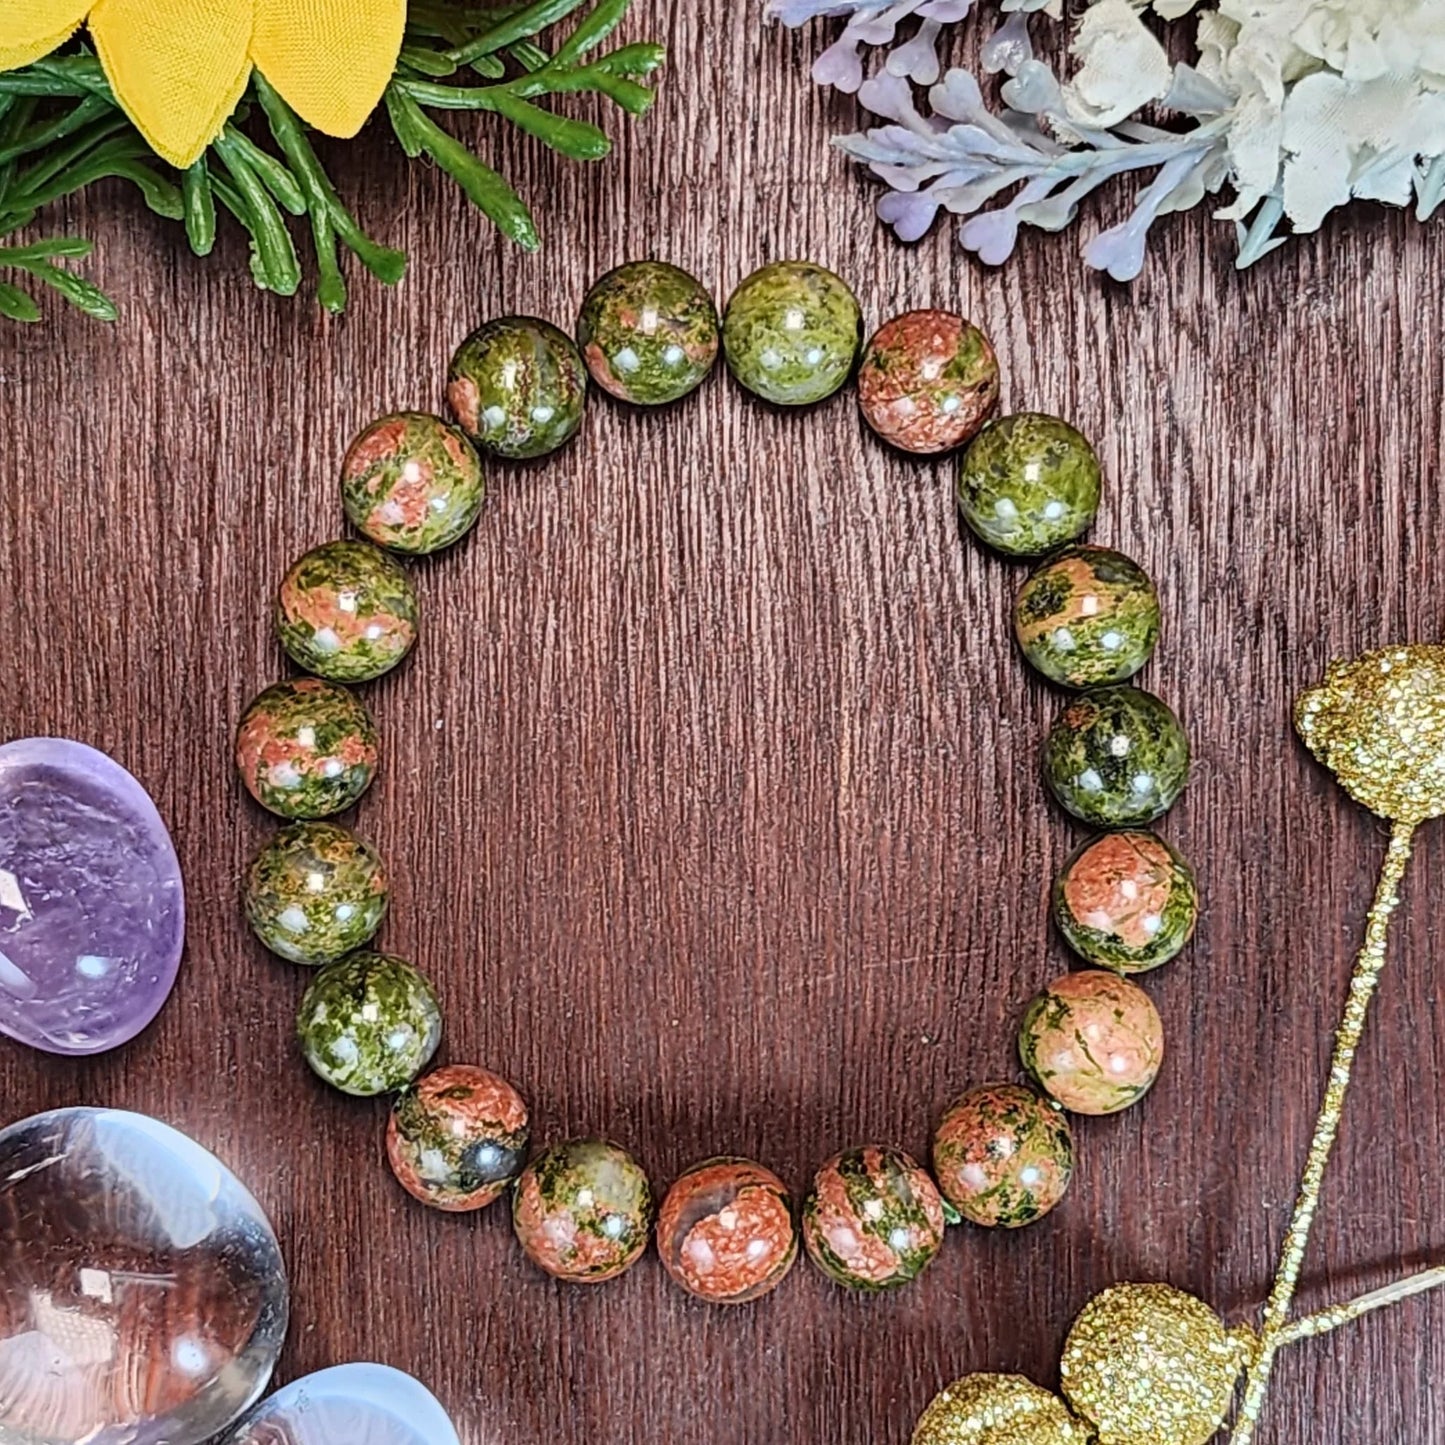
(1300, 106)
(876, 22)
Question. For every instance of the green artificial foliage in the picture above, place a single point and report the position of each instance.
(61, 129)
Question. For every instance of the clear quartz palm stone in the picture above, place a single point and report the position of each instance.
(349, 1405)
(143, 1298)
(92, 912)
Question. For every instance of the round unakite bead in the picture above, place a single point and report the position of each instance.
(1093, 1041)
(791, 333)
(457, 1138)
(1116, 757)
(518, 387)
(1029, 483)
(347, 612)
(873, 1219)
(369, 1023)
(583, 1211)
(725, 1232)
(1088, 617)
(1002, 1156)
(315, 892)
(648, 333)
(412, 483)
(1126, 901)
(928, 381)
(306, 748)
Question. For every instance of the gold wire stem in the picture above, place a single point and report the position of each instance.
(1309, 1326)
(1368, 966)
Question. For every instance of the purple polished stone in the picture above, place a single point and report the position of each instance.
(92, 911)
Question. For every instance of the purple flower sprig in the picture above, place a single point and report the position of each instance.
(1027, 163)
(875, 23)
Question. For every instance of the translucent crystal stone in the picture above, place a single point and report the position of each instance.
(143, 1298)
(349, 1405)
(92, 913)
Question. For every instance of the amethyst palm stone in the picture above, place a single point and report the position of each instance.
(349, 1405)
(92, 910)
(143, 1298)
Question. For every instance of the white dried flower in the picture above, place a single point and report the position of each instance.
(1122, 66)
(1299, 105)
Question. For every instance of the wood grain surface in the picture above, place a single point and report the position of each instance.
(712, 792)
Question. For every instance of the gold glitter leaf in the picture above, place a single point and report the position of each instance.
(1378, 724)
(997, 1410)
(1145, 1364)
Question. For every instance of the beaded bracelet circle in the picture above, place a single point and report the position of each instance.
(1116, 758)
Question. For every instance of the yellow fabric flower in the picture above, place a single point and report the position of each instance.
(179, 66)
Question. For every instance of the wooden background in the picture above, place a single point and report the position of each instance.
(712, 791)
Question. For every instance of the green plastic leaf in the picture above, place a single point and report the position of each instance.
(105, 140)
(411, 139)
(230, 198)
(84, 295)
(481, 184)
(86, 111)
(640, 59)
(200, 206)
(425, 61)
(383, 263)
(330, 284)
(526, 22)
(592, 31)
(160, 195)
(578, 139)
(17, 305)
(82, 72)
(529, 55)
(69, 246)
(274, 247)
(273, 175)
(635, 99)
(439, 19)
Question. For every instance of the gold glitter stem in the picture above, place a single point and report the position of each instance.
(1310, 1326)
(1363, 981)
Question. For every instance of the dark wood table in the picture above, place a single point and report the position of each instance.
(712, 793)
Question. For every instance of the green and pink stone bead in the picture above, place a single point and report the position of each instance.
(1002, 1156)
(457, 1138)
(369, 1023)
(725, 1232)
(518, 387)
(928, 381)
(347, 612)
(412, 484)
(1126, 900)
(1029, 483)
(648, 333)
(1116, 757)
(315, 892)
(791, 333)
(306, 748)
(583, 1211)
(1088, 617)
(873, 1219)
(1093, 1041)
